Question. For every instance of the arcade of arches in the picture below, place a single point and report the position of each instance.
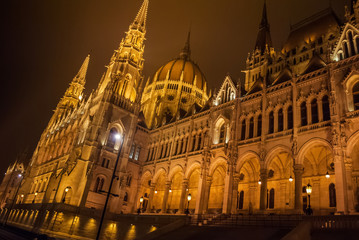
(276, 184)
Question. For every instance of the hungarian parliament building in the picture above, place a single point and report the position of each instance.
(253, 146)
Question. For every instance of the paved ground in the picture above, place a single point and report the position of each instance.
(219, 233)
(11, 233)
(334, 235)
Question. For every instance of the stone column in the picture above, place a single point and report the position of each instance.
(150, 198)
(340, 184)
(206, 194)
(263, 196)
(285, 119)
(315, 197)
(298, 175)
(228, 191)
(283, 194)
(183, 196)
(201, 194)
(235, 195)
(165, 197)
(349, 175)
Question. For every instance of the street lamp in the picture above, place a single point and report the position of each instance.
(327, 175)
(22, 197)
(189, 197)
(139, 209)
(66, 191)
(117, 136)
(33, 201)
(309, 191)
(290, 179)
(259, 182)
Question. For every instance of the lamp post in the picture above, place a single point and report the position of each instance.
(64, 198)
(189, 197)
(117, 136)
(309, 191)
(139, 209)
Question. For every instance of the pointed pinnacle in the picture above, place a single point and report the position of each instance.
(83, 70)
(140, 20)
(186, 51)
(264, 21)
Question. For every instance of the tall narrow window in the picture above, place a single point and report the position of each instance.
(271, 123)
(303, 114)
(251, 127)
(130, 156)
(357, 44)
(332, 196)
(222, 131)
(351, 43)
(199, 147)
(326, 108)
(259, 127)
(290, 117)
(111, 141)
(314, 109)
(356, 96)
(280, 120)
(271, 198)
(137, 152)
(243, 133)
(346, 51)
(241, 200)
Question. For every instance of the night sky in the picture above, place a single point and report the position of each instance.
(44, 43)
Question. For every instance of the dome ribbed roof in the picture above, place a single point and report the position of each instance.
(173, 70)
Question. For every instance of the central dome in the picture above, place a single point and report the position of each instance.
(178, 87)
(181, 69)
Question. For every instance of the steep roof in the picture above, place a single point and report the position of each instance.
(311, 28)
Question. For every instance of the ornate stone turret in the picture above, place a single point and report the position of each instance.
(124, 71)
(73, 94)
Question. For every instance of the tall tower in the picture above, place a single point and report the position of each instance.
(264, 39)
(125, 68)
(73, 94)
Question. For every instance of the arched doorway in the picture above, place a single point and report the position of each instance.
(215, 202)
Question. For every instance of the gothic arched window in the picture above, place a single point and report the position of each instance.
(356, 96)
(111, 141)
(222, 131)
(346, 50)
(303, 114)
(125, 198)
(332, 196)
(251, 127)
(243, 133)
(271, 198)
(259, 127)
(271, 123)
(99, 184)
(290, 117)
(326, 108)
(240, 200)
(280, 120)
(314, 109)
(351, 43)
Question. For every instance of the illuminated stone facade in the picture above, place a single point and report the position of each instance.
(294, 117)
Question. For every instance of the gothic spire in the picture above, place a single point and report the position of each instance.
(186, 51)
(73, 93)
(81, 75)
(140, 21)
(264, 38)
